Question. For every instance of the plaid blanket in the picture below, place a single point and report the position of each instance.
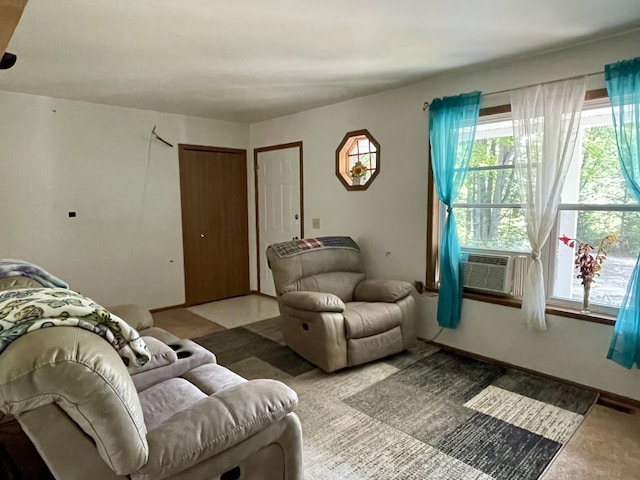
(295, 247)
(27, 309)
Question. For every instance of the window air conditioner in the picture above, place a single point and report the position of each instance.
(490, 273)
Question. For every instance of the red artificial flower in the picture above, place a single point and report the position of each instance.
(570, 242)
(587, 263)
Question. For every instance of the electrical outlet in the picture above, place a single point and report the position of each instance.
(315, 223)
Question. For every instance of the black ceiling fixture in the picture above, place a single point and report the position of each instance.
(8, 60)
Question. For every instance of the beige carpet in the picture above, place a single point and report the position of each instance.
(605, 447)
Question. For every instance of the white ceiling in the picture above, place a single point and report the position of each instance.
(251, 60)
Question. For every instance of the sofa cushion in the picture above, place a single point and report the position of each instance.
(166, 399)
(212, 378)
(365, 319)
(214, 424)
(287, 272)
(340, 284)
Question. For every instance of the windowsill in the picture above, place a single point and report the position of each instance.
(557, 310)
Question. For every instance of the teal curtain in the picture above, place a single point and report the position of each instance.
(623, 86)
(452, 131)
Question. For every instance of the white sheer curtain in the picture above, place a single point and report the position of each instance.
(546, 122)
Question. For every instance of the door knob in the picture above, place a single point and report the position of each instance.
(202, 235)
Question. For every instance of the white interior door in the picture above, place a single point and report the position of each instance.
(279, 203)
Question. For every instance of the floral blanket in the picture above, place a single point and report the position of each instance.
(28, 309)
(295, 247)
(10, 267)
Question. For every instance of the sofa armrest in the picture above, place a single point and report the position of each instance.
(161, 356)
(189, 356)
(136, 316)
(381, 291)
(312, 301)
(215, 424)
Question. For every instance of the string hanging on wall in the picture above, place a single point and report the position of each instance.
(158, 137)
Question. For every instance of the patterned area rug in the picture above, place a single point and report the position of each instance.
(422, 414)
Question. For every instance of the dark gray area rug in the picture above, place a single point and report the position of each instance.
(422, 414)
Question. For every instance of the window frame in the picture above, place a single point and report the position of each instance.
(556, 307)
(343, 154)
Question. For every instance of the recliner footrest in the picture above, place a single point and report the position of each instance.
(367, 319)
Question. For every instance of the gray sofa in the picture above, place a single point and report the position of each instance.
(331, 314)
(180, 416)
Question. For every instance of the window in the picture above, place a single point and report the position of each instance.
(357, 160)
(488, 212)
(594, 204)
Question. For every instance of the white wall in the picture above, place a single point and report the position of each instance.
(56, 156)
(389, 219)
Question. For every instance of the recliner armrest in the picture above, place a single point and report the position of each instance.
(189, 355)
(312, 301)
(215, 424)
(161, 356)
(381, 291)
(135, 315)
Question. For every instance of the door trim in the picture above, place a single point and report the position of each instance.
(204, 148)
(256, 151)
(201, 148)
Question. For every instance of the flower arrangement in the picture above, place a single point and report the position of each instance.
(358, 170)
(588, 263)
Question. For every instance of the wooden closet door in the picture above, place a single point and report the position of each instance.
(213, 188)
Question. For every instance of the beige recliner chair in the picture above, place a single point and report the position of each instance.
(180, 416)
(331, 315)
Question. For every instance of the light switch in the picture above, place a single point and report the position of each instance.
(315, 223)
